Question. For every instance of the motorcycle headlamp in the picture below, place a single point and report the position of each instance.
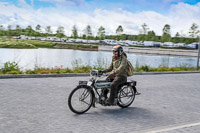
(93, 72)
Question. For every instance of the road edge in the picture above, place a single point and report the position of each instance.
(85, 74)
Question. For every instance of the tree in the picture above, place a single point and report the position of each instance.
(48, 30)
(177, 34)
(9, 27)
(176, 38)
(60, 32)
(194, 30)
(166, 37)
(167, 29)
(74, 32)
(119, 30)
(141, 37)
(1, 27)
(29, 31)
(151, 36)
(101, 33)
(88, 32)
(18, 30)
(18, 27)
(124, 37)
(38, 28)
(83, 36)
(2, 30)
(144, 29)
(9, 32)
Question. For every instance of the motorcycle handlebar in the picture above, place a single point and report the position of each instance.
(98, 73)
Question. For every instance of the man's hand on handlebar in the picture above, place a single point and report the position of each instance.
(112, 75)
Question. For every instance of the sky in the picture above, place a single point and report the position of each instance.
(130, 14)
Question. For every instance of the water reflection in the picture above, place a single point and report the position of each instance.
(31, 58)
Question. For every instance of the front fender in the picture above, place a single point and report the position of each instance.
(89, 87)
(92, 92)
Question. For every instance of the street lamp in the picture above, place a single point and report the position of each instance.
(198, 55)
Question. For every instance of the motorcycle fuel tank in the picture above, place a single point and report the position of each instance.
(102, 85)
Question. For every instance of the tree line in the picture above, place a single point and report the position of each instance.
(145, 34)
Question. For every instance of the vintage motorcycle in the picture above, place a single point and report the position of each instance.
(87, 93)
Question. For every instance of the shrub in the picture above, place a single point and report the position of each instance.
(174, 69)
(14, 72)
(145, 68)
(10, 66)
(84, 69)
(30, 72)
(67, 70)
(162, 68)
(45, 71)
(152, 69)
(58, 70)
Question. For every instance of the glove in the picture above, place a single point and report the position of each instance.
(112, 75)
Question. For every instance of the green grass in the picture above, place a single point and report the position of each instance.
(12, 68)
(33, 44)
(24, 44)
(77, 46)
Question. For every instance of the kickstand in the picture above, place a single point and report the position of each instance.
(137, 93)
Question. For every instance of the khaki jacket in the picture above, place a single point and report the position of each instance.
(118, 66)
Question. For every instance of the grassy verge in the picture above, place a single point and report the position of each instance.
(33, 44)
(13, 68)
(77, 46)
(24, 44)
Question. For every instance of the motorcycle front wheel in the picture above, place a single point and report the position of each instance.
(80, 99)
(126, 96)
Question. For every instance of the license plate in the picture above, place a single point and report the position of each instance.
(89, 83)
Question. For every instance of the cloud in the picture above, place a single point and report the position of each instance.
(4, 3)
(66, 2)
(180, 17)
(183, 15)
(23, 4)
(169, 1)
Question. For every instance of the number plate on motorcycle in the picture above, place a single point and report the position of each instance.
(89, 83)
(82, 82)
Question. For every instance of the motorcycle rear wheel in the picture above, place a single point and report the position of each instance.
(80, 99)
(126, 96)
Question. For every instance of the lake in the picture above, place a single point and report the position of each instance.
(48, 58)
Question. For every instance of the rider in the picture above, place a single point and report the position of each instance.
(118, 73)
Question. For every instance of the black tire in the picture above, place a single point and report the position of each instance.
(132, 95)
(87, 93)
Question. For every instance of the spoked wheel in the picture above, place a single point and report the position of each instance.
(126, 96)
(80, 99)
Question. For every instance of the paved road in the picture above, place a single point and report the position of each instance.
(168, 104)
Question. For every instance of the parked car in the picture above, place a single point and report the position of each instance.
(182, 45)
(192, 46)
(109, 42)
(23, 37)
(16, 37)
(149, 43)
(51, 38)
(168, 44)
(70, 40)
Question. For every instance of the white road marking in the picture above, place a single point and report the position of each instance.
(174, 128)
